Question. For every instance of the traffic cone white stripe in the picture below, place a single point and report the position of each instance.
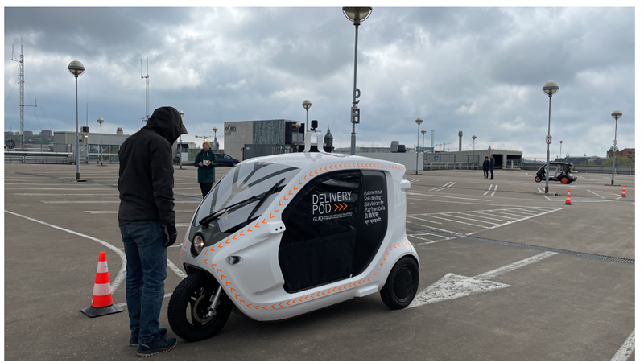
(102, 289)
(101, 267)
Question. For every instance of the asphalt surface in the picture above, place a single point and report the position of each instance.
(557, 282)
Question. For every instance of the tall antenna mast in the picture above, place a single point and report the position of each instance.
(147, 88)
(22, 94)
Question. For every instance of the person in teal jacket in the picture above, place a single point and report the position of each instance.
(206, 162)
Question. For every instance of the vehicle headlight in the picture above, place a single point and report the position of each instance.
(198, 244)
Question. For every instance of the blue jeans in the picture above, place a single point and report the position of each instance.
(146, 271)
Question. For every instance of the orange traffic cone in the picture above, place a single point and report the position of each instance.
(624, 192)
(102, 303)
(568, 199)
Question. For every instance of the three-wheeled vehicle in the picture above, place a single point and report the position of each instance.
(279, 236)
(560, 173)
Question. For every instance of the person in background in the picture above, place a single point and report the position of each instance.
(486, 167)
(206, 162)
(147, 223)
(491, 167)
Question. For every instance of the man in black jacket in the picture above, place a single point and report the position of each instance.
(146, 220)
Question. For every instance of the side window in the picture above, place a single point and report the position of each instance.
(321, 223)
(227, 156)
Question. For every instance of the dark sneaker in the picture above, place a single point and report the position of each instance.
(160, 344)
(134, 339)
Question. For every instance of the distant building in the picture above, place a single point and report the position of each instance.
(28, 133)
(47, 133)
(255, 138)
(628, 152)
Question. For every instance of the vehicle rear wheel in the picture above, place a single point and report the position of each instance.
(537, 179)
(564, 180)
(402, 284)
(188, 308)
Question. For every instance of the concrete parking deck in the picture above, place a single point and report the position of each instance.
(507, 273)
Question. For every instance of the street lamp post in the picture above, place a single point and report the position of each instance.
(473, 139)
(216, 144)
(297, 141)
(76, 68)
(307, 105)
(560, 142)
(180, 145)
(419, 121)
(423, 132)
(549, 89)
(100, 150)
(616, 114)
(357, 15)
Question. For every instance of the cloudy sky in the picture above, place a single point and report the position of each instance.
(480, 70)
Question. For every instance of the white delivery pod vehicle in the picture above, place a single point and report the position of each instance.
(279, 236)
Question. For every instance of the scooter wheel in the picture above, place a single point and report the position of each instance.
(537, 179)
(188, 308)
(402, 284)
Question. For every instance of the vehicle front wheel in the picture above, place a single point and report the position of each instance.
(402, 284)
(537, 179)
(188, 310)
(564, 180)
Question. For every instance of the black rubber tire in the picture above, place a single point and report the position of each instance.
(402, 284)
(537, 179)
(197, 288)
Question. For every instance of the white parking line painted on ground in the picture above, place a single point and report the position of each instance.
(495, 187)
(488, 190)
(111, 194)
(121, 274)
(90, 202)
(453, 286)
(451, 220)
(61, 189)
(422, 219)
(176, 269)
(627, 349)
(103, 212)
(511, 267)
(547, 198)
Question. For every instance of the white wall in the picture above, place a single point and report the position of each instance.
(406, 159)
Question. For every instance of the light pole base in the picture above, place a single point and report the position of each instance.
(546, 194)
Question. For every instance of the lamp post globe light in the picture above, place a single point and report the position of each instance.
(549, 89)
(76, 68)
(616, 114)
(216, 141)
(307, 105)
(419, 121)
(100, 149)
(357, 15)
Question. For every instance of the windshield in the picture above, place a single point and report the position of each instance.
(246, 181)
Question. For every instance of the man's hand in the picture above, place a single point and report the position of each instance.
(170, 234)
(200, 164)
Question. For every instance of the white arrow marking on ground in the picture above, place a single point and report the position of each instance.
(453, 286)
(624, 352)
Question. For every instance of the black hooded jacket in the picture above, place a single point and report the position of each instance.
(146, 174)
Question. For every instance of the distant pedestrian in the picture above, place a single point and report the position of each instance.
(206, 162)
(492, 167)
(486, 167)
(147, 223)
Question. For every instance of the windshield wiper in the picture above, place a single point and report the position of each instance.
(262, 197)
(275, 188)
